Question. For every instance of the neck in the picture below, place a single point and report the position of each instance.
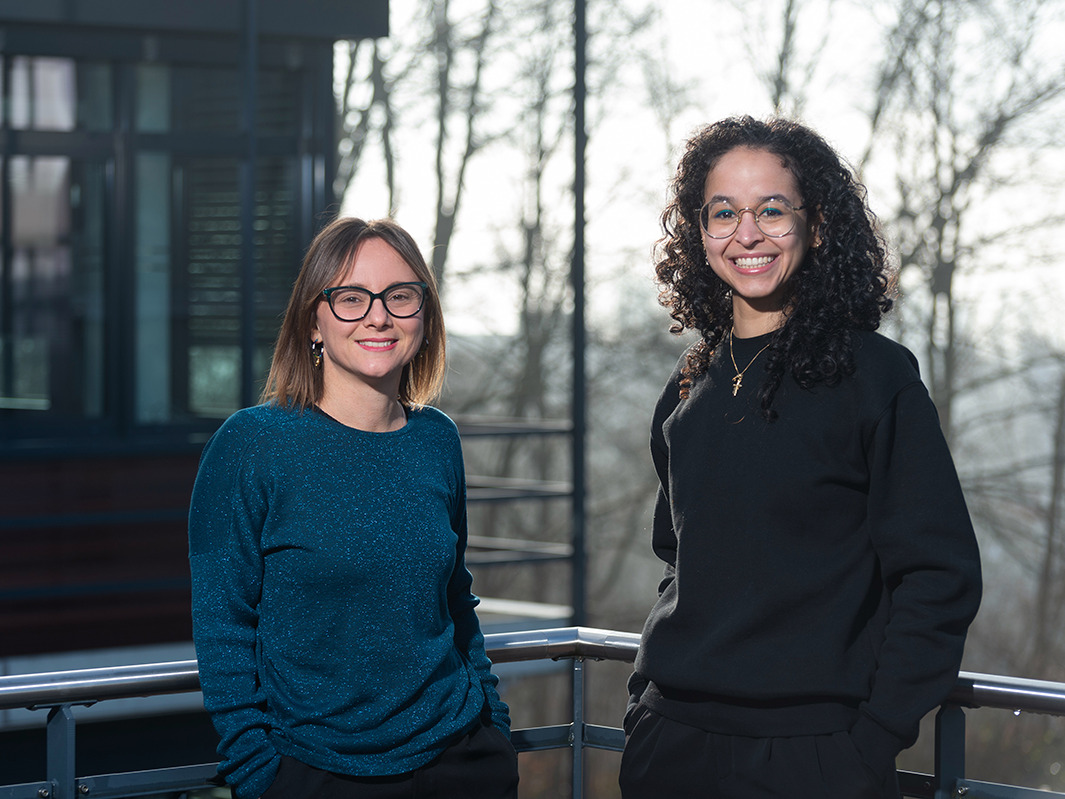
(367, 409)
(749, 322)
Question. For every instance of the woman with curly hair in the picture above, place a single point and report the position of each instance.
(821, 569)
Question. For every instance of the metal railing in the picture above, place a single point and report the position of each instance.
(57, 692)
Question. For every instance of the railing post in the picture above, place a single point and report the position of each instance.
(59, 758)
(950, 750)
(578, 727)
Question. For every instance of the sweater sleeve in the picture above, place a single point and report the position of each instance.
(930, 564)
(225, 521)
(663, 536)
(461, 602)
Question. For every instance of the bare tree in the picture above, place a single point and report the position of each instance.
(355, 116)
(949, 118)
(964, 91)
(385, 87)
(461, 103)
(800, 31)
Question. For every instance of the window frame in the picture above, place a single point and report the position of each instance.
(308, 150)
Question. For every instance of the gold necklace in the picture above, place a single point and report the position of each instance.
(737, 381)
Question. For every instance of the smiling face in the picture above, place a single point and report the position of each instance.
(371, 352)
(755, 266)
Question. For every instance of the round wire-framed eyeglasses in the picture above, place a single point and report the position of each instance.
(775, 217)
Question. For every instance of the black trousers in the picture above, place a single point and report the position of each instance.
(664, 758)
(481, 765)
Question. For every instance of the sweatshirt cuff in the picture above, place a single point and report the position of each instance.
(256, 784)
(877, 747)
(501, 719)
(637, 684)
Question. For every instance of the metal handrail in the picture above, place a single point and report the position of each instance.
(1008, 693)
(84, 686)
(88, 686)
(60, 690)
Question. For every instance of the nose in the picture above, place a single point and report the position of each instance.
(747, 230)
(377, 315)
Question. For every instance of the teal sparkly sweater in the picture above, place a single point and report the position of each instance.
(332, 608)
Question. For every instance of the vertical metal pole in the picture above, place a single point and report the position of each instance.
(59, 760)
(950, 750)
(578, 728)
(250, 86)
(580, 143)
(7, 304)
(577, 279)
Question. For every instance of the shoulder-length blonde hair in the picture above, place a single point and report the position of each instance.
(293, 379)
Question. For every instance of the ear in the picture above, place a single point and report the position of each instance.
(815, 230)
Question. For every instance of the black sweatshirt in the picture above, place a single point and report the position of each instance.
(821, 569)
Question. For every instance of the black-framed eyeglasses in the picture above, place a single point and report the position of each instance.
(352, 303)
(775, 217)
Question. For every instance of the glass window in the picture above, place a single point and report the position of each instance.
(53, 100)
(59, 94)
(278, 251)
(51, 340)
(209, 100)
(152, 289)
(95, 109)
(140, 318)
(19, 95)
(206, 100)
(278, 97)
(153, 98)
(209, 319)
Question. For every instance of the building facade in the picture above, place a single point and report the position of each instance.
(162, 168)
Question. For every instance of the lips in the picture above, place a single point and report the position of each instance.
(377, 344)
(752, 265)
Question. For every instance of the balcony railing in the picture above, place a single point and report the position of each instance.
(57, 692)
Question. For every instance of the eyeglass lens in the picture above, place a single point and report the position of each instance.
(773, 217)
(351, 304)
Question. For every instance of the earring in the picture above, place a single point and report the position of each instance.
(317, 348)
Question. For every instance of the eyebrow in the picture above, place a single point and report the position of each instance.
(367, 288)
(721, 198)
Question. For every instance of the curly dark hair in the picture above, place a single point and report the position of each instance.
(842, 285)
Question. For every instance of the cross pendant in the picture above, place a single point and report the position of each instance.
(737, 381)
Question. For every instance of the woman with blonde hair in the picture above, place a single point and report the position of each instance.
(339, 651)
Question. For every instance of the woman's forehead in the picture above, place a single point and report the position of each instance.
(750, 176)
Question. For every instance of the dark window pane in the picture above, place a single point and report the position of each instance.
(59, 94)
(206, 100)
(95, 108)
(278, 103)
(210, 100)
(152, 100)
(51, 353)
(212, 321)
(153, 276)
(209, 335)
